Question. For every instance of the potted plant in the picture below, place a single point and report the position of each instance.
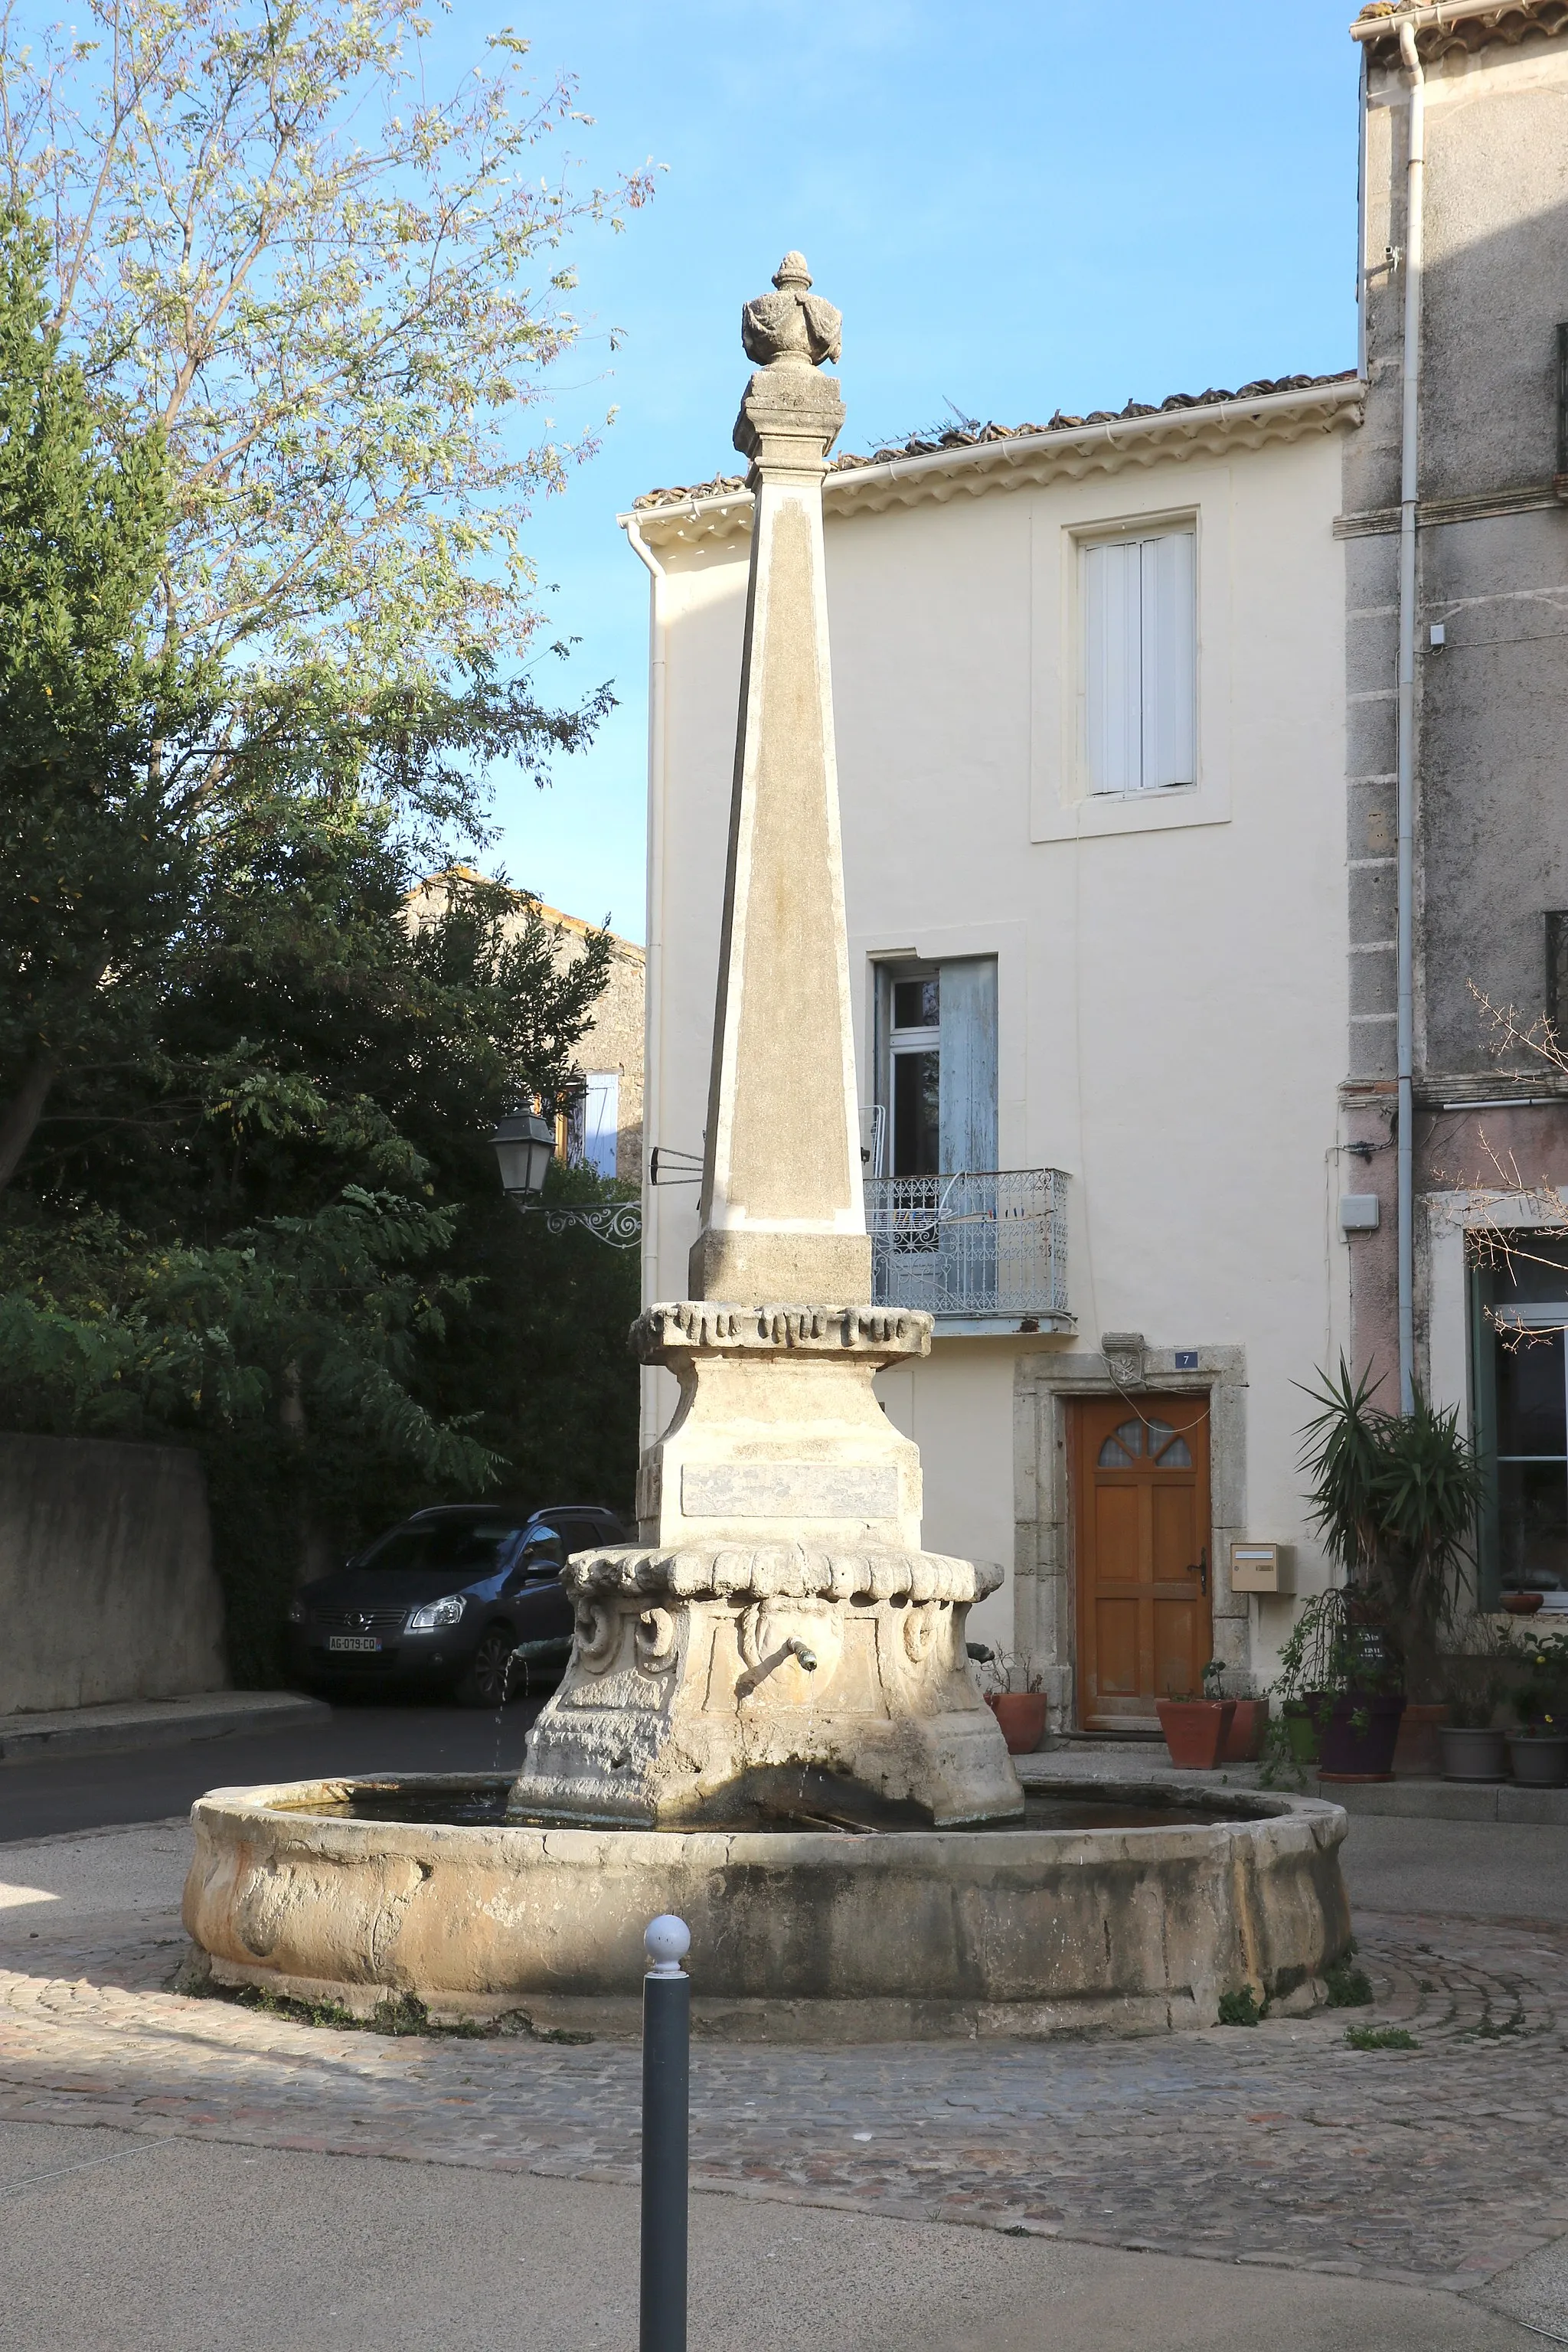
(1195, 1726)
(1339, 1704)
(1468, 1747)
(1303, 1692)
(1394, 1496)
(1418, 1751)
(1248, 1730)
(1018, 1700)
(1539, 1748)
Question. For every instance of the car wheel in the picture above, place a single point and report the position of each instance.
(488, 1680)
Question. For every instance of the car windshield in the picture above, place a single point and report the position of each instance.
(461, 1548)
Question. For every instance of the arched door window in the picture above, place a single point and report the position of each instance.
(1146, 1441)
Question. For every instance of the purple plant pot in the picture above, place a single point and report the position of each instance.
(1360, 1736)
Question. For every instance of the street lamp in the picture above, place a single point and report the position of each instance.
(525, 1147)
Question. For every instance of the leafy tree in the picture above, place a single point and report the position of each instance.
(334, 289)
(253, 1203)
(100, 751)
(314, 299)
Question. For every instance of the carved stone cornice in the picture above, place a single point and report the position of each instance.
(767, 1571)
(1017, 460)
(1463, 24)
(706, 1327)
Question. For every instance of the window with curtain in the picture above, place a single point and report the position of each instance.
(1140, 661)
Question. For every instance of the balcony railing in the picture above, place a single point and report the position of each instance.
(969, 1248)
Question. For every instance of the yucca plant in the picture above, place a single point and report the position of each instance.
(1394, 1497)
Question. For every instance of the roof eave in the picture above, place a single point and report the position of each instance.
(1033, 459)
(1443, 25)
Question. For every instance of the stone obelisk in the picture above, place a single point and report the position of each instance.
(782, 1209)
(779, 1618)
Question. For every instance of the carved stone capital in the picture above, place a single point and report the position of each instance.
(789, 423)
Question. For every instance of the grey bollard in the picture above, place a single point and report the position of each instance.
(666, 2090)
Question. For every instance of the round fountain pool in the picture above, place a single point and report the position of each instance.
(1126, 1908)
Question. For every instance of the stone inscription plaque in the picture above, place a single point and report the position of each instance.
(789, 1490)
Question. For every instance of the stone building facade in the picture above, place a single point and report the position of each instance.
(603, 1129)
(1484, 91)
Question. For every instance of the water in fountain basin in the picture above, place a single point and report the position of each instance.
(784, 1801)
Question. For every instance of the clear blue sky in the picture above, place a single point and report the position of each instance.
(1015, 207)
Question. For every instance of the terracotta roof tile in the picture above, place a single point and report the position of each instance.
(1060, 422)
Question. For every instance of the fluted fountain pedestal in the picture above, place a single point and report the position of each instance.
(782, 1617)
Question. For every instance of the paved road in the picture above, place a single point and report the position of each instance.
(242, 2179)
(62, 1793)
(111, 2244)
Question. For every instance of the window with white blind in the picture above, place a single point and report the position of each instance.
(1140, 661)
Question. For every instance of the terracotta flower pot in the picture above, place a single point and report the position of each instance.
(1195, 1730)
(1022, 1716)
(1540, 1758)
(1522, 1604)
(1469, 1754)
(1416, 1755)
(1244, 1740)
(1360, 1737)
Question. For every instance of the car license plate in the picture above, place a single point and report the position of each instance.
(360, 1642)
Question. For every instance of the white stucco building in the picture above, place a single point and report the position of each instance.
(1088, 686)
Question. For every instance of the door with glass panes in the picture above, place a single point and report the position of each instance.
(1520, 1302)
(1141, 1495)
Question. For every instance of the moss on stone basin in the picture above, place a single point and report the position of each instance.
(1134, 1926)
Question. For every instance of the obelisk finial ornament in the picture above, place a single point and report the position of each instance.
(782, 1209)
(793, 328)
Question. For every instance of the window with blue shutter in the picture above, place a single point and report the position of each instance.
(938, 1077)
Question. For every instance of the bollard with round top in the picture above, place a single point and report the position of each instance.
(665, 2080)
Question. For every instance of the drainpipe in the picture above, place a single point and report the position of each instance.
(1408, 479)
(654, 970)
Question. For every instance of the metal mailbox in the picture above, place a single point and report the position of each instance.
(1262, 1567)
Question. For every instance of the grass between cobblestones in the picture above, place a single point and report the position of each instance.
(399, 2016)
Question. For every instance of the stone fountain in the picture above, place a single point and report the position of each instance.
(769, 1723)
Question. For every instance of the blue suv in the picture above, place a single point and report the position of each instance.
(449, 1599)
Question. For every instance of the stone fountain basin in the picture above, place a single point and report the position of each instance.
(796, 1935)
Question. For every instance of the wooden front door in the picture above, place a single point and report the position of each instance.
(1140, 1492)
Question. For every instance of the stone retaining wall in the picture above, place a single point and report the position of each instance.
(107, 1587)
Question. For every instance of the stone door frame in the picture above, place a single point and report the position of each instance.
(1044, 1588)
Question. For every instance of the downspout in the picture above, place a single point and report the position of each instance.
(1408, 481)
(653, 996)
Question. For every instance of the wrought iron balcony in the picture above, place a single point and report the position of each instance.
(988, 1247)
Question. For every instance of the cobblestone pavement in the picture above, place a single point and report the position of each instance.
(1278, 2144)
